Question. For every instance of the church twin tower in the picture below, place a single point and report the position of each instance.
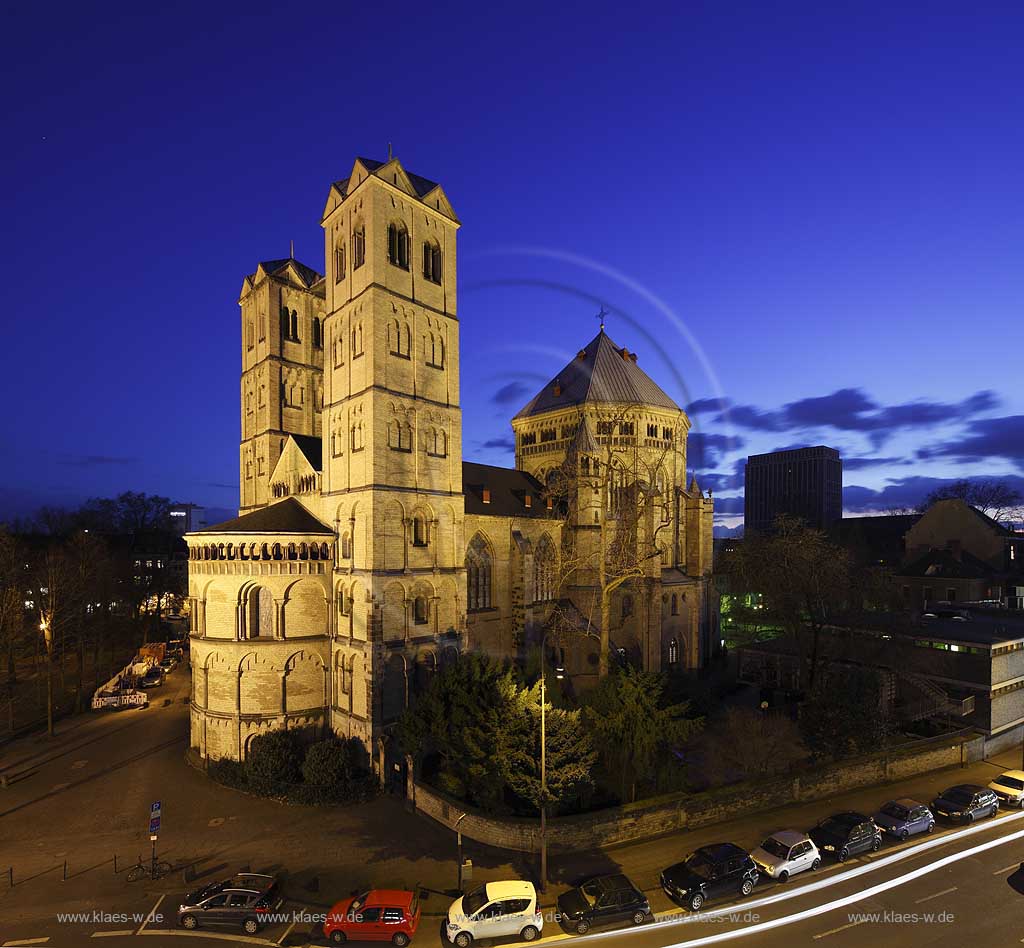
(360, 561)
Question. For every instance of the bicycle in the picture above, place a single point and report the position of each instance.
(153, 868)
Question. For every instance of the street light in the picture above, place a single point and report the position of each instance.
(559, 674)
(458, 834)
(44, 627)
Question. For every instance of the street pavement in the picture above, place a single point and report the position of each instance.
(84, 797)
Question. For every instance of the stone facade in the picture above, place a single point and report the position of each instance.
(367, 553)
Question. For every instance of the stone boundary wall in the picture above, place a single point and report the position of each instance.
(659, 815)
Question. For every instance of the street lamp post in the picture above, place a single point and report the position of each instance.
(458, 835)
(543, 772)
(44, 627)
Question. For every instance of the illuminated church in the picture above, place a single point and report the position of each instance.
(367, 553)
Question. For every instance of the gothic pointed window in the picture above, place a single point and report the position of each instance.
(478, 575)
(627, 606)
(544, 571)
(673, 652)
(318, 341)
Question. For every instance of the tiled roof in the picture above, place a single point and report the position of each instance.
(286, 516)
(308, 274)
(943, 564)
(311, 448)
(602, 372)
(508, 490)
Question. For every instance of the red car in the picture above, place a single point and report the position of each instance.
(378, 915)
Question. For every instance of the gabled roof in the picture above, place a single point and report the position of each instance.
(508, 488)
(419, 186)
(286, 516)
(311, 448)
(602, 372)
(307, 275)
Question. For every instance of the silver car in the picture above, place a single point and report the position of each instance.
(786, 853)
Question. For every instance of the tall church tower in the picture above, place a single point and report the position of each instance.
(392, 425)
(282, 369)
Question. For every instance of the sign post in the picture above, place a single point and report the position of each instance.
(154, 834)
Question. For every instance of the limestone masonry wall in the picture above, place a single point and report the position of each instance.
(649, 818)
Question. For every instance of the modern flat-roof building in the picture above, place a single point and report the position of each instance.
(804, 482)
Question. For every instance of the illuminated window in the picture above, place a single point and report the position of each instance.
(432, 262)
(358, 247)
(398, 246)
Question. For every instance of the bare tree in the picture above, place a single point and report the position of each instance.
(12, 601)
(617, 503)
(995, 499)
(744, 744)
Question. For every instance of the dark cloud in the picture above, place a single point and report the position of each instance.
(852, 409)
(985, 438)
(224, 486)
(505, 444)
(512, 392)
(719, 481)
(905, 492)
(96, 460)
(708, 406)
(707, 450)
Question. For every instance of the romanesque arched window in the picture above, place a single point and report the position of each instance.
(318, 338)
(398, 245)
(346, 546)
(358, 246)
(432, 261)
(478, 574)
(419, 530)
(675, 604)
(420, 610)
(339, 261)
(627, 606)
(544, 570)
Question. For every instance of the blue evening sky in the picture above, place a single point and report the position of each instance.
(811, 212)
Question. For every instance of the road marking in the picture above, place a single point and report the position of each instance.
(287, 932)
(127, 931)
(841, 928)
(26, 941)
(839, 903)
(928, 898)
(245, 939)
(1015, 866)
(151, 915)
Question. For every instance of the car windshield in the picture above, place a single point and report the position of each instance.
(1012, 782)
(896, 811)
(956, 795)
(774, 848)
(358, 902)
(590, 891)
(835, 825)
(699, 865)
(475, 901)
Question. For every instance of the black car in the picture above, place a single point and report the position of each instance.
(601, 901)
(710, 872)
(966, 802)
(845, 834)
(242, 901)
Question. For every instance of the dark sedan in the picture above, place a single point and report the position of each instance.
(845, 834)
(966, 802)
(708, 873)
(604, 900)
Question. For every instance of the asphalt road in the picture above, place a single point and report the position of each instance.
(85, 797)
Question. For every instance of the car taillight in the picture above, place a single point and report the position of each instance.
(262, 909)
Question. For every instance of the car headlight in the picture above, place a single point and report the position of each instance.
(829, 848)
(957, 813)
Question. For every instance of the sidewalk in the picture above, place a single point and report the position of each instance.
(88, 809)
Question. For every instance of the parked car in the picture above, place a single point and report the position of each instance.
(168, 665)
(153, 678)
(905, 817)
(1009, 787)
(708, 873)
(786, 853)
(602, 901)
(846, 834)
(495, 910)
(966, 802)
(378, 915)
(241, 901)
